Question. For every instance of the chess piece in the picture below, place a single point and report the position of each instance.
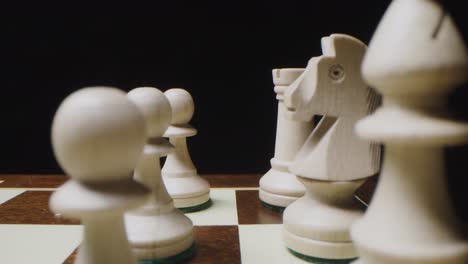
(279, 187)
(189, 191)
(98, 136)
(333, 162)
(410, 219)
(157, 231)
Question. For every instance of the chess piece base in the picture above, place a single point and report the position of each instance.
(155, 235)
(280, 188)
(315, 249)
(196, 208)
(320, 260)
(176, 259)
(278, 209)
(318, 223)
(188, 191)
(191, 202)
(275, 201)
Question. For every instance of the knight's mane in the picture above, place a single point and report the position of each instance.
(374, 100)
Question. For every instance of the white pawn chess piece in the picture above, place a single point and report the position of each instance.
(333, 162)
(157, 231)
(189, 191)
(279, 187)
(411, 219)
(98, 136)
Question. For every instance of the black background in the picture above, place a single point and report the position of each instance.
(222, 52)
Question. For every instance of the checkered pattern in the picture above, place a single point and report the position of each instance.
(30, 233)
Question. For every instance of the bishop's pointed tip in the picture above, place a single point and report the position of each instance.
(417, 44)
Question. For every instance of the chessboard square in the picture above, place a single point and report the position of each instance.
(216, 244)
(38, 243)
(7, 194)
(30, 207)
(250, 210)
(32, 181)
(233, 180)
(264, 244)
(221, 212)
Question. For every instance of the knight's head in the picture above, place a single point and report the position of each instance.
(332, 83)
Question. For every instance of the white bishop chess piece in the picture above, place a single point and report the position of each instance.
(157, 231)
(98, 136)
(415, 59)
(279, 187)
(333, 162)
(189, 191)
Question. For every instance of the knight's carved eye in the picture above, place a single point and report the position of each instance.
(336, 72)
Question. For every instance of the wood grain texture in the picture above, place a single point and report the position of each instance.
(31, 180)
(251, 211)
(55, 180)
(232, 180)
(332, 86)
(31, 207)
(333, 162)
(71, 258)
(215, 180)
(214, 244)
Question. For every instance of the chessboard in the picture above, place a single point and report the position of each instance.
(237, 228)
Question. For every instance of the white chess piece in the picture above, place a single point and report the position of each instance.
(157, 230)
(279, 187)
(98, 136)
(415, 59)
(333, 162)
(186, 187)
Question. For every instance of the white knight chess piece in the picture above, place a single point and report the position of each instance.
(333, 162)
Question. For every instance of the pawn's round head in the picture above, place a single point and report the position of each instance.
(98, 135)
(182, 106)
(155, 108)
